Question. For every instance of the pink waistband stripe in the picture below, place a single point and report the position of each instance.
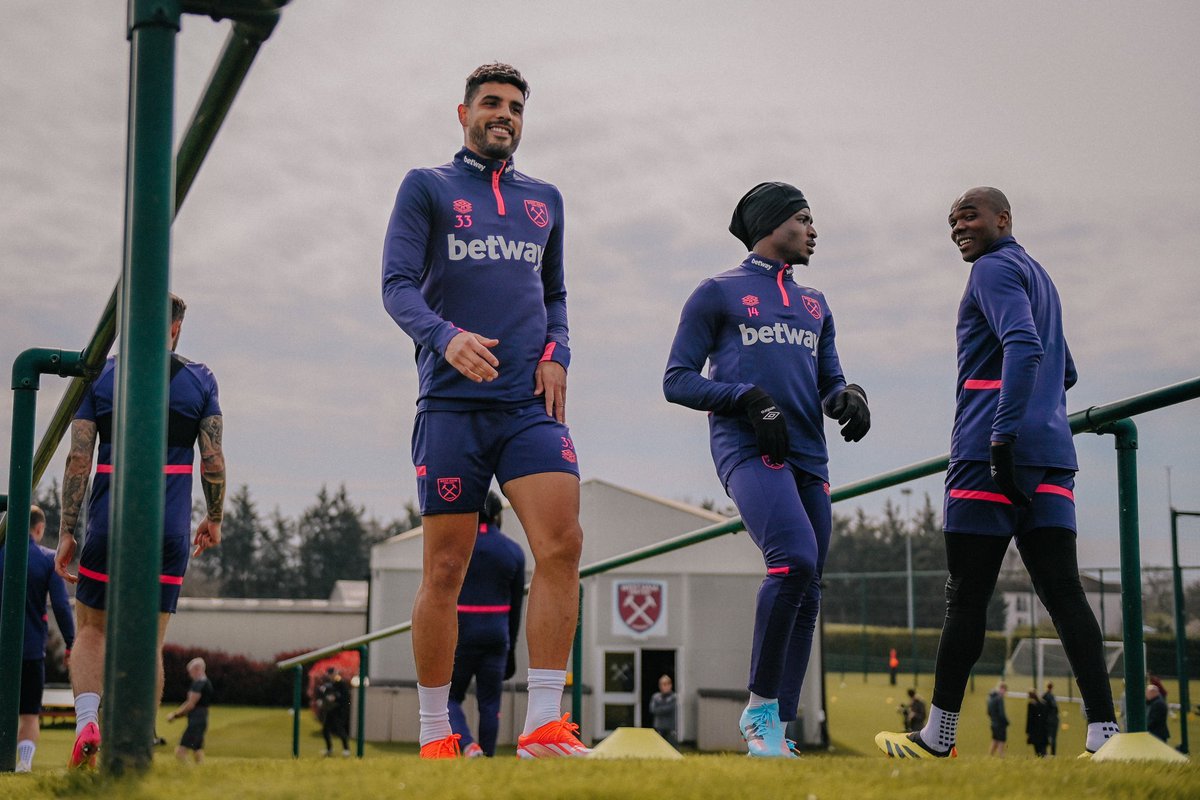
(779, 570)
(168, 469)
(484, 609)
(996, 497)
(975, 384)
(173, 580)
(1049, 488)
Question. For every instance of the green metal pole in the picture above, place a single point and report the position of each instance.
(1181, 659)
(1131, 573)
(577, 667)
(16, 563)
(1103, 621)
(135, 546)
(297, 695)
(862, 582)
(362, 698)
(27, 368)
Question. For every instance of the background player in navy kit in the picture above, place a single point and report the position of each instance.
(194, 413)
(489, 617)
(41, 581)
(774, 370)
(1010, 434)
(473, 272)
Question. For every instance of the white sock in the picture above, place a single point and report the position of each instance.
(941, 729)
(25, 749)
(87, 709)
(756, 700)
(434, 712)
(1098, 733)
(545, 698)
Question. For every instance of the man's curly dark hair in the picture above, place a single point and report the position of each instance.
(496, 72)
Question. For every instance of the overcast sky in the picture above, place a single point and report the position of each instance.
(653, 119)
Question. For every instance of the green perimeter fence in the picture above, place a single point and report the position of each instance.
(1112, 418)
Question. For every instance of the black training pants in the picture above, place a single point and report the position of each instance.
(974, 564)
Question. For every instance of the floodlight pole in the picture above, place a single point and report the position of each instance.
(1181, 659)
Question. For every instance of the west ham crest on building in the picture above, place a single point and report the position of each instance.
(640, 608)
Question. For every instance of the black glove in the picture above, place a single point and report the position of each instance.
(770, 428)
(1004, 474)
(510, 665)
(849, 408)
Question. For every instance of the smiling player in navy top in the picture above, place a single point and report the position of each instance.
(1012, 472)
(473, 273)
(774, 371)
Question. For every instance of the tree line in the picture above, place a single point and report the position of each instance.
(275, 555)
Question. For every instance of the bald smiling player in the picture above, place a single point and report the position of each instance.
(1012, 472)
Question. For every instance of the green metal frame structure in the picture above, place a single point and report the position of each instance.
(155, 188)
(1112, 418)
(1181, 655)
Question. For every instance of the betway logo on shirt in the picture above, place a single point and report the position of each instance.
(494, 248)
(780, 333)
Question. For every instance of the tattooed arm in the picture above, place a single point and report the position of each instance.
(212, 481)
(74, 486)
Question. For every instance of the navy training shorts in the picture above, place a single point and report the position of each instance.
(456, 453)
(93, 570)
(974, 504)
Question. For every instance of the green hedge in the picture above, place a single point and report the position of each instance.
(1160, 655)
(845, 646)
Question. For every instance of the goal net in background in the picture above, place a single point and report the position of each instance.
(1045, 658)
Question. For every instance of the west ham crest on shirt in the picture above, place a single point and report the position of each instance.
(640, 608)
(450, 489)
(538, 213)
(813, 307)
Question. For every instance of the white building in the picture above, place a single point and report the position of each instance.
(1023, 608)
(688, 614)
(261, 629)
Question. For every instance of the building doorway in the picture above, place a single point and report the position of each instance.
(655, 664)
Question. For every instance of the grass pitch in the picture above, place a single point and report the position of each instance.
(249, 752)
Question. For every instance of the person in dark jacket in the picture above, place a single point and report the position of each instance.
(1035, 724)
(1156, 713)
(1051, 703)
(998, 719)
(663, 707)
(333, 695)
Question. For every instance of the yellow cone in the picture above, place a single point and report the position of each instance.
(635, 743)
(1137, 747)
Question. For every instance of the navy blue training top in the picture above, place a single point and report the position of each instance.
(1014, 366)
(41, 580)
(489, 605)
(757, 327)
(193, 396)
(475, 245)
